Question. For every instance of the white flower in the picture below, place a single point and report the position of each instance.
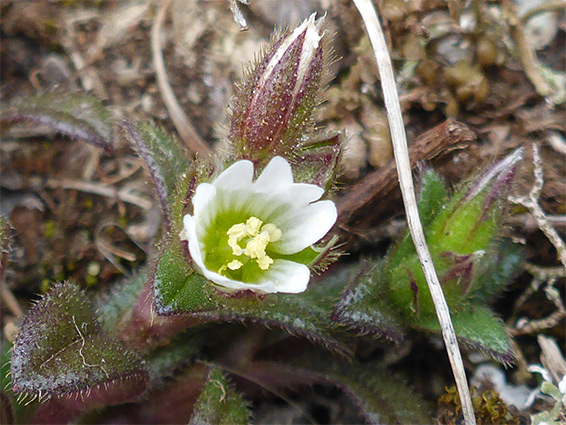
(247, 235)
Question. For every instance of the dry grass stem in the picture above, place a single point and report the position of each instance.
(97, 189)
(401, 153)
(548, 275)
(531, 203)
(10, 301)
(187, 132)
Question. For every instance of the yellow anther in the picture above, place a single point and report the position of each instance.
(255, 248)
(235, 233)
(253, 225)
(264, 262)
(233, 243)
(235, 264)
(237, 230)
(257, 236)
(273, 231)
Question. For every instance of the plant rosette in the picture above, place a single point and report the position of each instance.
(257, 235)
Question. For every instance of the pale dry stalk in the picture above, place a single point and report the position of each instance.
(399, 141)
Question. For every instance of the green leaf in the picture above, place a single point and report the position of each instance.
(479, 328)
(432, 196)
(61, 350)
(503, 261)
(179, 289)
(115, 306)
(364, 307)
(164, 157)
(75, 115)
(13, 407)
(164, 361)
(380, 397)
(219, 403)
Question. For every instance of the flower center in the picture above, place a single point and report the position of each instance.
(255, 236)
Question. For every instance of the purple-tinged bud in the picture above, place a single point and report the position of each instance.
(460, 237)
(273, 107)
(470, 221)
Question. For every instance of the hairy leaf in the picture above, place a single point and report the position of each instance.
(76, 115)
(360, 309)
(61, 350)
(479, 328)
(115, 306)
(13, 407)
(165, 159)
(179, 289)
(219, 403)
(380, 397)
(503, 261)
(432, 196)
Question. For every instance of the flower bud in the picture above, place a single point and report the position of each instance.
(461, 237)
(470, 221)
(273, 107)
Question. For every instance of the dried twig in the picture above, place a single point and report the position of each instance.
(524, 326)
(531, 203)
(541, 275)
(446, 137)
(400, 150)
(89, 78)
(95, 188)
(182, 123)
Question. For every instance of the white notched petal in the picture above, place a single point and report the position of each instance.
(236, 177)
(189, 234)
(287, 276)
(275, 176)
(277, 179)
(204, 194)
(300, 194)
(305, 226)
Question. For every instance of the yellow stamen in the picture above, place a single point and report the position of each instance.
(235, 264)
(257, 236)
(264, 262)
(253, 225)
(235, 233)
(256, 246)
